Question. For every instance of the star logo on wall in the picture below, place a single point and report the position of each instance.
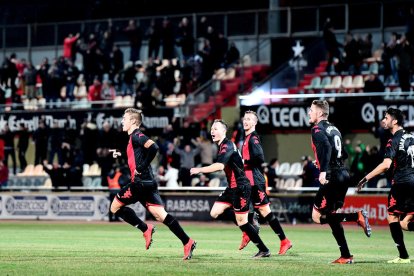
(297, 49)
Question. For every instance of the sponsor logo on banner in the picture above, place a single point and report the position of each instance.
(371, 113)
(187, 207)
(283, 116)
(103, 206)
(154, 121)
(26, 205)
(376, 206)
(73, 206)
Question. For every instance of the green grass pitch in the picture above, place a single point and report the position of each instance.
(82, 248)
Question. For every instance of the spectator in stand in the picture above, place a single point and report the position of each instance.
(43, 74)
(57, 174)
(106, 141)
(56, 81)
(331, 45)
(40, 139)
(4, 174)
(365, 46)
(80, 91)
(71, 75)
(56, 135)
(134, 34)
(310, 174)
(232, 56)
(107, 41)
(373, 83)
(185, 39)
(116, 61)
(410, 25)
(187, 158)
(168, 40)
(272, 173)
(22, 145)
(153, 34)
(9, 74)
(69, 43)
(390, 60)
(108, 92)
(201, 181)
(89, 136)
(94, 92)
(352, 57)
(170, 177)
(29, 77)
(127, 78)
(207, 150)
(405, 54)
(9, 150)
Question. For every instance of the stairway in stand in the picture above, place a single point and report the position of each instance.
(227, 94)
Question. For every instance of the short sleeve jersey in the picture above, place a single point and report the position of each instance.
(136, 152)
(327, 146)
(400, 149)
(229, 156)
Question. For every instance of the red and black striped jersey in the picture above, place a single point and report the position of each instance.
(229, 156)
(140, 152)
(253, 156)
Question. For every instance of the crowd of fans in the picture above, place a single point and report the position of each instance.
(393, 60)
(176, 63)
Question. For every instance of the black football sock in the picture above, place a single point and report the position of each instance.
(339, 235)
(129, 216)
(254, 236)
(228, 215)
(275, 225)
(410, 226)
(398, 237)
(342, 217)
(176, 228)
(250, 217)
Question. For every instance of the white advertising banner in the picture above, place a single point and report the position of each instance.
(58, 207)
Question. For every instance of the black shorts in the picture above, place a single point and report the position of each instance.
(238, 198)
(330, 197)
(144, 192)
(401, 199)
(259, 196)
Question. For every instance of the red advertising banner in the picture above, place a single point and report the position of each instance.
(375, 205)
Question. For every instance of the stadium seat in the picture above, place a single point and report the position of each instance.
(325, 81)
(42, 103)
(48, 183)
(215, 182)
(397, 93)
(335, 84)
(382, 183)
(85, 169)
(283, 169)
(38, 170)
(347, 82)
(127, 101)
(315, 83)
(27, 171)
(296, 168)
(118, 101)
(358, 82)
(94, 169)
